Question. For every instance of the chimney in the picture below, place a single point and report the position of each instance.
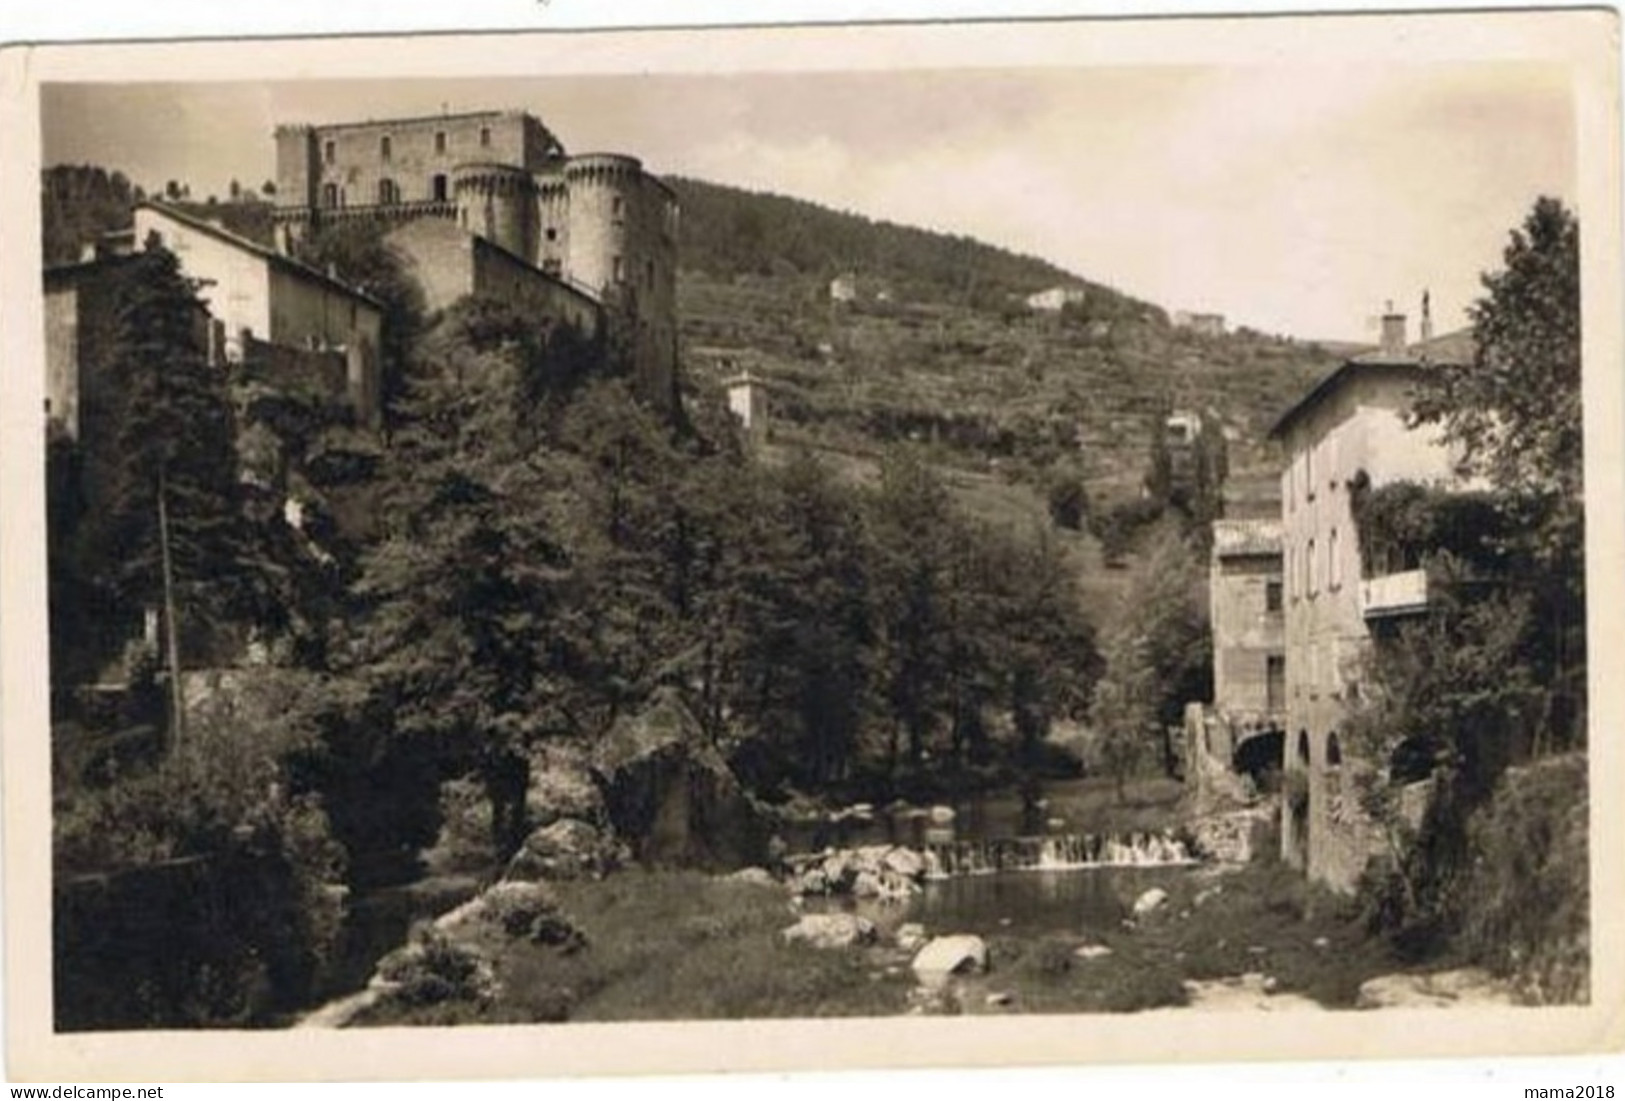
(1427, 318)
(1393, 333)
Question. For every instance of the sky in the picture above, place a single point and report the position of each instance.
(1293, 199)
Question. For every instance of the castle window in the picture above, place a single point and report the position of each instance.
(388, 193)
(330, 195)
(1334, 564)
(437, 187)
(1272, 596)
(384, 148)
(616, 268)
(552, 234)
(617, 207)
(328, 153)
(1334, 752)
(1309, 568)
(439, 141)
(485, 137)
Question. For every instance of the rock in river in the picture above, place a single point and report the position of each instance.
(1150, 901)
(952, 956)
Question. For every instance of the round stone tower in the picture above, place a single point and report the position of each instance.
(497, 202)
(604, 190)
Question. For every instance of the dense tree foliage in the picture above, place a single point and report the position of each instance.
(80, 203)
(1495, 673)
(1157, 657)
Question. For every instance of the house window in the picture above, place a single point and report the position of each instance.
(388, 193)
(1309, 567)
(328, 153)
(485, 137)
(1334, 564)
(439, 141)
(384, 148)
(1272, 596)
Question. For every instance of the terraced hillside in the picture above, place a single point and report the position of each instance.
(1007, 391)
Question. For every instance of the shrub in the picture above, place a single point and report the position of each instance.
(529, 911)
(219, 819)
(433, 968)
(1526, 897)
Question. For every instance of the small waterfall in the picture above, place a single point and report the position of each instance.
(951, 859)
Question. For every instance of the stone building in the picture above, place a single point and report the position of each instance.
(259, 297)
(1354, 422)
(1055, 299)
(1205, 324)
(747, 400)
(1242, 729)
(597, 225)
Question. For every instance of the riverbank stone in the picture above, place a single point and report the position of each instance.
(952, 955)
(1150, 901)
(1438, 989)
(1091, 951)
(830, 931)
(567, 849)
(756, 877)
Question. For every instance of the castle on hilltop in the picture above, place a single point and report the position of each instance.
(490, 202)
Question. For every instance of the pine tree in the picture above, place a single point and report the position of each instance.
(167, 527)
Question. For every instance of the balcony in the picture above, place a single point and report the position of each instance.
(1394, 594)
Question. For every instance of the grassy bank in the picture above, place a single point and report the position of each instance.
(1265, 918)
(672, 946)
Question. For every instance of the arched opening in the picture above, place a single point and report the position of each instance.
(1303, 748)
(437, 187)
(388, 193)
(330, 195)
(1334, 751)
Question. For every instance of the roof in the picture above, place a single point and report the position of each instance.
(1451, 348)
(410, 120)
(1235, 538)
(270, 255)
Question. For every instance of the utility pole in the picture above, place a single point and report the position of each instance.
(177, 703)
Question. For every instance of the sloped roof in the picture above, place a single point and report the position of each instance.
(270, 255)
(1450, 348)
(1234, 538)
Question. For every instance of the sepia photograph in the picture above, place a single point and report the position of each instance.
(982, 530)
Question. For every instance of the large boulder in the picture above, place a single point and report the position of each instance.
(1150, 902)
(561, 785)
(672, 796)
(955, 955)
(830, 931)
(904, 862)
(567, 849)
